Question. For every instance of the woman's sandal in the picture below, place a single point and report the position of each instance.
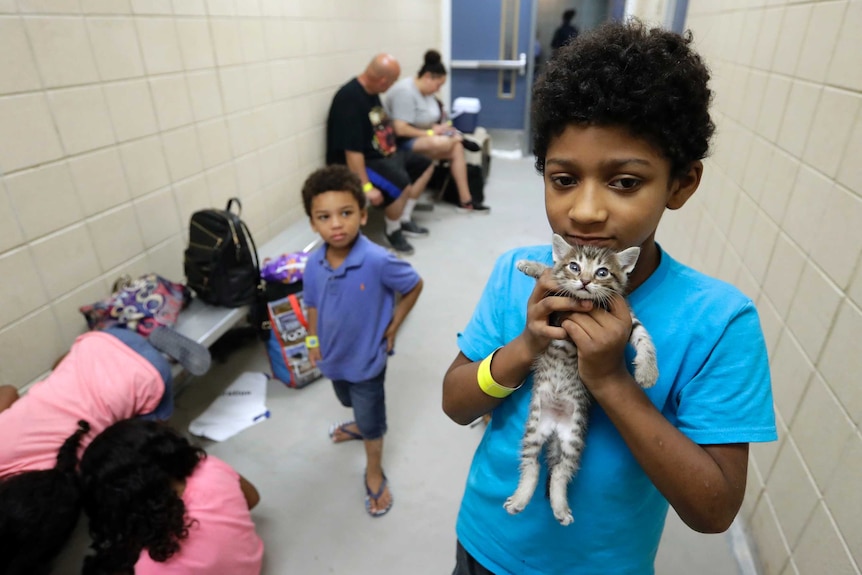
(194, 357)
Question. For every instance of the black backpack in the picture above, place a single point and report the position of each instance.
(221, 263)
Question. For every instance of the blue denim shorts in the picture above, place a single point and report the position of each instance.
(368, 400)
(140, 344)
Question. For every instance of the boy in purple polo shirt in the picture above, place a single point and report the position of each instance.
(349, 287)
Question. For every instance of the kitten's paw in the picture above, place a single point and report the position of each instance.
(514, 506)
(564, 516)
(532, 269)
(646, 374)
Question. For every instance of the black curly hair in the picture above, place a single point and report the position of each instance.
(128, 475)
(330, 179)
(39, 510)
(647, 80)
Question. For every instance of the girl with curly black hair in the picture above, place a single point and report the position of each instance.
(38, 511)
(158, 505)
(621, 123)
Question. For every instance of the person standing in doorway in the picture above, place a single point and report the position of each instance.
(566, 32)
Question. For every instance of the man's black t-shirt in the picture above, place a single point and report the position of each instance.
(357, 122)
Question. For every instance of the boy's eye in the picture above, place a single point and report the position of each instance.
(574, 267)
(563, 180)
(602, 273)
(625, 183)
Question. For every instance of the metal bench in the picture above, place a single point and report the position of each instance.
(206, 323)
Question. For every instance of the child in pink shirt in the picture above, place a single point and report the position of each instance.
(101, 380)
(162, 506)
(106, 376)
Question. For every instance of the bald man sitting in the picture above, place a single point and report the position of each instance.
(359, 133)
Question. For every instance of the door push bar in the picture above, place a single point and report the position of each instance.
(520, 64)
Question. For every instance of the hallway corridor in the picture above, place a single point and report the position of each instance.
(311, 516)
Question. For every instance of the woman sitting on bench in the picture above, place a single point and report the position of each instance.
(420, 126)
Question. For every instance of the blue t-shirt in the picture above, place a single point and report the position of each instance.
(714, 386)
(354, 307)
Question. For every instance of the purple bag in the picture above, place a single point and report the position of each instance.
(286, 268)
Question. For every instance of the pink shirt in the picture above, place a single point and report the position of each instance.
(222, 538)
(101, 380)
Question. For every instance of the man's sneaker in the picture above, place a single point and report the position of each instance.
(471, 208)
(398, 243)
(413, 229)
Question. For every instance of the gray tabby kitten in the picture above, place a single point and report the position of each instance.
(559, 406)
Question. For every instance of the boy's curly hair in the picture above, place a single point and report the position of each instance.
(128, 475)
(649, 81)
(39, 510)
(334, 178)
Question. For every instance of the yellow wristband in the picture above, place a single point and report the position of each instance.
(487, 383)
(311, 341)
(430, 132)
(367, 187)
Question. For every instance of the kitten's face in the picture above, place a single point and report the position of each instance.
(592, 272)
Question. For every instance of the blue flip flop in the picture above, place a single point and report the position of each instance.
(342, 427)
(369, 496)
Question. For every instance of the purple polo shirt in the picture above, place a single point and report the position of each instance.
(354, 307)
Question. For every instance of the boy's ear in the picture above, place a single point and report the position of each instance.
(363, 219)
(684, 186)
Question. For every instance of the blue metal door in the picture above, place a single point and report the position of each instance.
(491, 56)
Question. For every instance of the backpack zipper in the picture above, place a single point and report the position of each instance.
(212, 235)
(235, 237)
(203, 247)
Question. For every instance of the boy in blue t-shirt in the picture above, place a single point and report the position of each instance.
(349, 287)
(621, 124)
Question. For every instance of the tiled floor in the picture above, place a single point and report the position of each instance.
(311, 515)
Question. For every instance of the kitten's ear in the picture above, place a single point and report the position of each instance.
(561, 247)
(628, 258)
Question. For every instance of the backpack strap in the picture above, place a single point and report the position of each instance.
(297, 309)
(238, 206)
(251, 243)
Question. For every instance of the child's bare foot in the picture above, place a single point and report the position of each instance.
(344, 431)
(378, 498)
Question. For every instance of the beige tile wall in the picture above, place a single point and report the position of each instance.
(780, 215)
(119, 118)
